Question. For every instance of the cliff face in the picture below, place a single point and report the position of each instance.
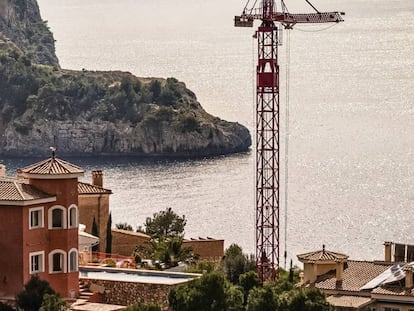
(108, 138)
(20, 21)
(94, 113)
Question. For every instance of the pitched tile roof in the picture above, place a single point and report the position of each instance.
(322, 255)
(356, 275)
(51, 166)
(393, 290)
(349, 301)
(85, 188)
(18, 192)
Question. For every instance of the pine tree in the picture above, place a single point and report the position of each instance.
(95, 232)
(108, 249)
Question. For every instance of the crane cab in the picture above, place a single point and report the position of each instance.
(240, 21)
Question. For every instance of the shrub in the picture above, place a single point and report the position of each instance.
(109, 262)
(31, 298)
(5, 307)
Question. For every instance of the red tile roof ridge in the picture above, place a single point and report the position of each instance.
(322, 255)
(52, 166)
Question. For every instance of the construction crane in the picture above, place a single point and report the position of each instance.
(267, 121)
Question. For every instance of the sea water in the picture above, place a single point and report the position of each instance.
(351, 117)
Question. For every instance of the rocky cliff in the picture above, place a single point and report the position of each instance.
(94, 113)
(20, 21)
(111, 138)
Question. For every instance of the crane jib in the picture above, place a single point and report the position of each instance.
(246, 20)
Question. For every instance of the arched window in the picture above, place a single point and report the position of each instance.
(57, 261)
(73, 260)
(57, 217)
(73, 216)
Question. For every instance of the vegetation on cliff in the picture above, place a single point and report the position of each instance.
(30, 91)
(95, 112)
(20, 21)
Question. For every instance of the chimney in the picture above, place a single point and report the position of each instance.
(97, 178)
(302, 278)
(387, 251)
(408, 276)
(2, 170)
(339, 271)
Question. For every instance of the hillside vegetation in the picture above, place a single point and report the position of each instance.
(29, 92)
(94, 112)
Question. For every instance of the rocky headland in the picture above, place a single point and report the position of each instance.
(94, 112)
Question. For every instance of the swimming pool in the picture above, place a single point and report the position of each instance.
(133, 275)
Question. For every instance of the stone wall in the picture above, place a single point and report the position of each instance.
(128, 293)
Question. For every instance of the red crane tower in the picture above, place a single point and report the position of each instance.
(267, 122)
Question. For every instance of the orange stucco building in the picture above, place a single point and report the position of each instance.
(94, 204)
(39, 218)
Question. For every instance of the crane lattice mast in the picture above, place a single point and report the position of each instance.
(267, 122)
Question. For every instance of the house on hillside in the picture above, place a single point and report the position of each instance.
(385, 285)
(41, 210)
(39, 219)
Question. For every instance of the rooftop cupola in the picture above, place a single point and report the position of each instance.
(320, 262)
(52, 168)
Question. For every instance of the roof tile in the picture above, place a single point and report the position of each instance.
(322, 255)
(349, 301)
(356, 275)
(85, 188)
(52, 166)
(19, 190)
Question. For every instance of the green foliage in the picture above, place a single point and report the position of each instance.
(168, 251)
(165, 224)
(234, 299)
(143, 307)
(5, 307)
(53, 303)
(109, 262)
(262, 299)
(95, 232)
(214, 292)
(31, 298)
(29, 92)
(187, 122)
(248, 281)
(108, 248)
(211, 292)
(283, 295)
(202, 267)
(124, 226)
(155, 88)
(236, 263)
(308, 299)
(166, 229)
(169, 94)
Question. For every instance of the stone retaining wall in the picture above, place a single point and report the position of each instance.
(128, 293)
